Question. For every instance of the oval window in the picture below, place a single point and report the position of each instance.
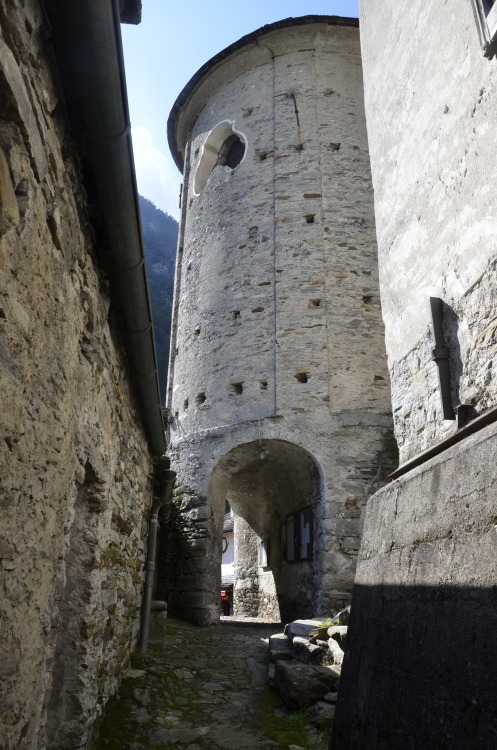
(223, 147)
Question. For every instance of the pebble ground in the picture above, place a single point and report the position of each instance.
(205, 689)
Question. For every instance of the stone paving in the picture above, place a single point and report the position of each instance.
(205, 689)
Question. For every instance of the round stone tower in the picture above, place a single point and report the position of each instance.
(278, 387)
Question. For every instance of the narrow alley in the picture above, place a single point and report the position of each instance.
(205, 689)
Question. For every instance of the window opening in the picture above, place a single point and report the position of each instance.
(486, 12)
(265, 553)
(299, 535)
(232, 152)
(223, 147)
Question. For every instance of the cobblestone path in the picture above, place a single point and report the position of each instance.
(204, 689)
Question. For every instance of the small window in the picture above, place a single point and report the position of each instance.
(223, 147)
(299, 535)
(486, 11)
(232, 152)
(265, 553)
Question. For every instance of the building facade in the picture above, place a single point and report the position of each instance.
(419, 671)
(76, 439)
(278, 390)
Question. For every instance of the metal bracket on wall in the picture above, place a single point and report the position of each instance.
(441, 355)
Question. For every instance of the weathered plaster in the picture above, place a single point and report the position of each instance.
(423, 620)
(277, 306)
(432, 153)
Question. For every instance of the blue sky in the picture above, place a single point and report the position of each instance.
(161, 54)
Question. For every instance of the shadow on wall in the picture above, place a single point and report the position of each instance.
(420, 670)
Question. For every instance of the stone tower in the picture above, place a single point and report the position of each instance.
(278, 387)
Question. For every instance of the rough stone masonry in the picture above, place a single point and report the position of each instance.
(74, 461)
(278, 389)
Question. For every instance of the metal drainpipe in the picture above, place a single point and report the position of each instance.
(87, 42)
(167, 480)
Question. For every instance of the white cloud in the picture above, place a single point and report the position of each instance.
(157, 177)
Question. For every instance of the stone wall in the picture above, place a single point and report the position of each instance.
(74, 463)
(417, 672)
(246, 596)
(277, 331)
(423, 617)
(426, 76)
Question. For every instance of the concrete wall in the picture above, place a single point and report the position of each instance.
(430, 105)
(419, 667)
(74, 464)
(277, 313)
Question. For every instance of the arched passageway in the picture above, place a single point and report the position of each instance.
(274, 494)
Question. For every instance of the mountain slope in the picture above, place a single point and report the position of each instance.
(160, 234)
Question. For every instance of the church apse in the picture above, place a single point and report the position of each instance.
(277, 334)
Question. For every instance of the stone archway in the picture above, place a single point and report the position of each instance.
(276, 503)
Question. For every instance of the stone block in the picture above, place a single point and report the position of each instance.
(336, 652)
(301, 627)
(339, 633)
(158, 624)
(321, 714)
(109, 597)
(280, 647)
(10, 657)
(9, 210)
(307, 652)
(302, 685)
(12, 79)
